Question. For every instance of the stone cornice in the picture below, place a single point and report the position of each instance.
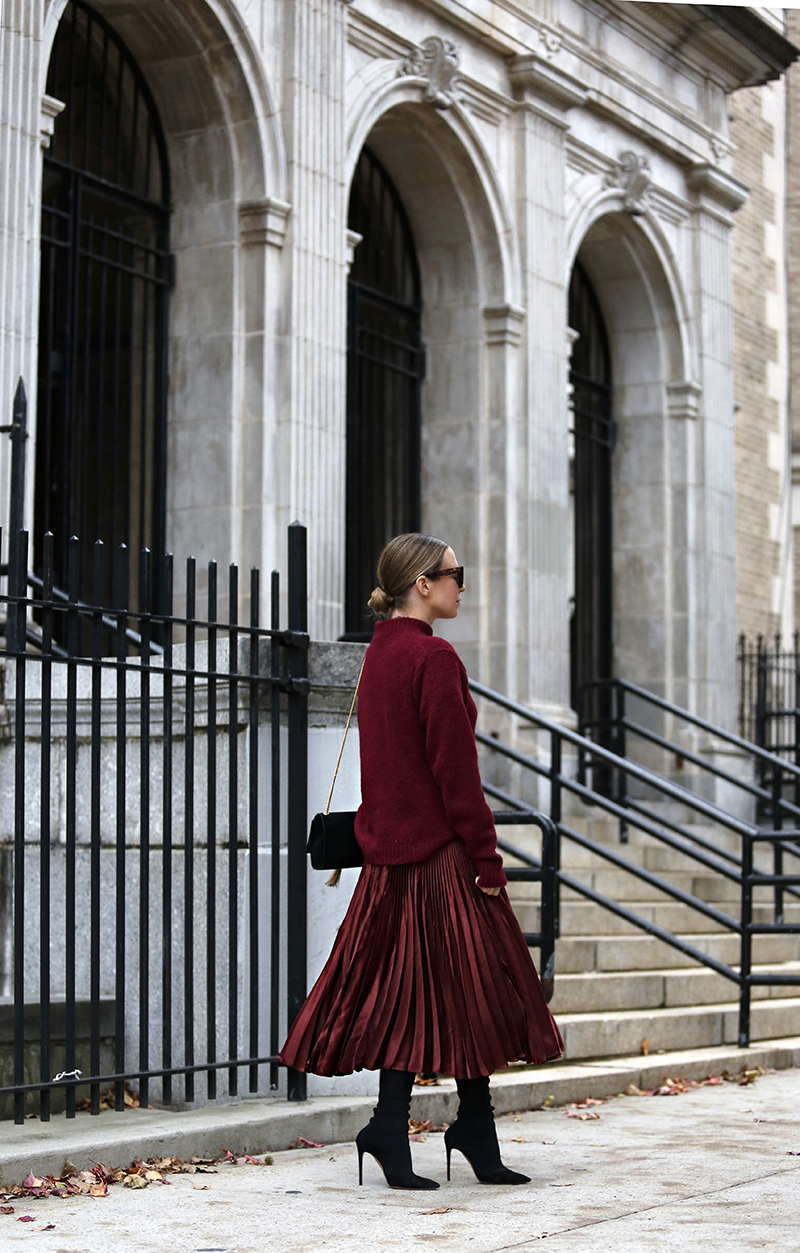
(532, 75)
(713, 187)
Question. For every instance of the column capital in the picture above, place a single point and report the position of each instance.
(50, 109)
(715, 191)
(264, 221)
(536, 81)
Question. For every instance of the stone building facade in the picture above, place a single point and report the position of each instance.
(510, 154)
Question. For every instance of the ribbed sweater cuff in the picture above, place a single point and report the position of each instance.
(491, 873)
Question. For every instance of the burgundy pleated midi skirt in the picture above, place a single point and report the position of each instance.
(427, 973)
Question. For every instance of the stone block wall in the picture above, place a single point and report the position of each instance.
(763, 527)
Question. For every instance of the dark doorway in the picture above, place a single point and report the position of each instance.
(591, 634)
(385, 368)
(101, 437)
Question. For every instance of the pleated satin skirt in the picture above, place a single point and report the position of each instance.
(427, 973)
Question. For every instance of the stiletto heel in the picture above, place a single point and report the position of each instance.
(392, 1152)
(385, 1136)
(475, 1136)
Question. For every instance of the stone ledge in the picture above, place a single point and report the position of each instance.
(259, 1125)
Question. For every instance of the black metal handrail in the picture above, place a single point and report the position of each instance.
(739, 869)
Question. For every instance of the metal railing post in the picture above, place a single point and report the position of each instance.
(777, 847)
(620, 748)
(296, 900)
(17, 586)
(555, 814)
(547, 921)
(746, 942)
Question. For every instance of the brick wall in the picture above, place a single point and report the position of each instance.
(761, 459)
(793, 250)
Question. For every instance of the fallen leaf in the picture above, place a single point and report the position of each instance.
(443, 1209)
(32, 1181)
(583, 1116)
(538, 1235)
(548, 1101)
(49, 1227)
(791, 1152)
(645, 1046)
(308, 1144)
(200, 1187)
(98, 1189)
(634, 1091)
(26, 1218)
(516, 1140)
(134, 1181)
(570, 1184)
(548, 1141)
(6, 1209)
(227, 1156)
(154, 1176)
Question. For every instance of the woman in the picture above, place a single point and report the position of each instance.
(429, 970)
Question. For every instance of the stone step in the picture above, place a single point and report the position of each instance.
(612, 1033)
(596, 992)
(623, 884)
(643, 952)
(581, 918)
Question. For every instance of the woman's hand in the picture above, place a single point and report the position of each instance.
(490, 891)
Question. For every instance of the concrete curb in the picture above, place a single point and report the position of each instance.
(263, 1124)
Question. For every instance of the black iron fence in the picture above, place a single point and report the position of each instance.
(152, 837)
(769, 703)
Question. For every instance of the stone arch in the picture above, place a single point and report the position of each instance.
(229, 178)
(656, 402)
(458, 149)
(471, 321)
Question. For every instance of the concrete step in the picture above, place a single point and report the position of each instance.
(611, 1033)
(581, 917)
(597, 992)
(643, 952)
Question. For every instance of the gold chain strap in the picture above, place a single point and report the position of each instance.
(344, 737)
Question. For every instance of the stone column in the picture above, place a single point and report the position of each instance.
(545, 94)
(26, 124)
(311, 412)
(712, 572)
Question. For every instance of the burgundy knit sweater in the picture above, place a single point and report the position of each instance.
(420, 782)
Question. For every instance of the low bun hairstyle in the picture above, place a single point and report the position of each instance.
(400, 564)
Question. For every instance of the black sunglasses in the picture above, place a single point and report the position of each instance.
(455, 572)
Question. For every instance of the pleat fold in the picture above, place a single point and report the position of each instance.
(427, 974)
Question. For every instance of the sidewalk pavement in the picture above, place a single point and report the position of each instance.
(715, 1168)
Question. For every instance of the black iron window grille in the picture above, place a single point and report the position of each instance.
(385, 367)
(105, 274)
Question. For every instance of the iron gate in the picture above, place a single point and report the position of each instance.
(147, 803)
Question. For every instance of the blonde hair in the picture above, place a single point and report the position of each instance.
(400, 564)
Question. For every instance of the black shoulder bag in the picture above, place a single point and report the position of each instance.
(332, 842)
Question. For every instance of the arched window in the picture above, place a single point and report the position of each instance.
(594, 433)
(100, 439)
(384, 375)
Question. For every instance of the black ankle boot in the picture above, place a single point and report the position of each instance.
(385, 1136)
(474, 1134)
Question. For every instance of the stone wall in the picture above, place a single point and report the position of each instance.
(765, 578)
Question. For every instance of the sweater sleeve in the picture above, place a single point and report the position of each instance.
(453, 759)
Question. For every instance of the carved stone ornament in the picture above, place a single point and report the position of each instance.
(632, 173)
(435, 60)
(719, 147)
(552, 41)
